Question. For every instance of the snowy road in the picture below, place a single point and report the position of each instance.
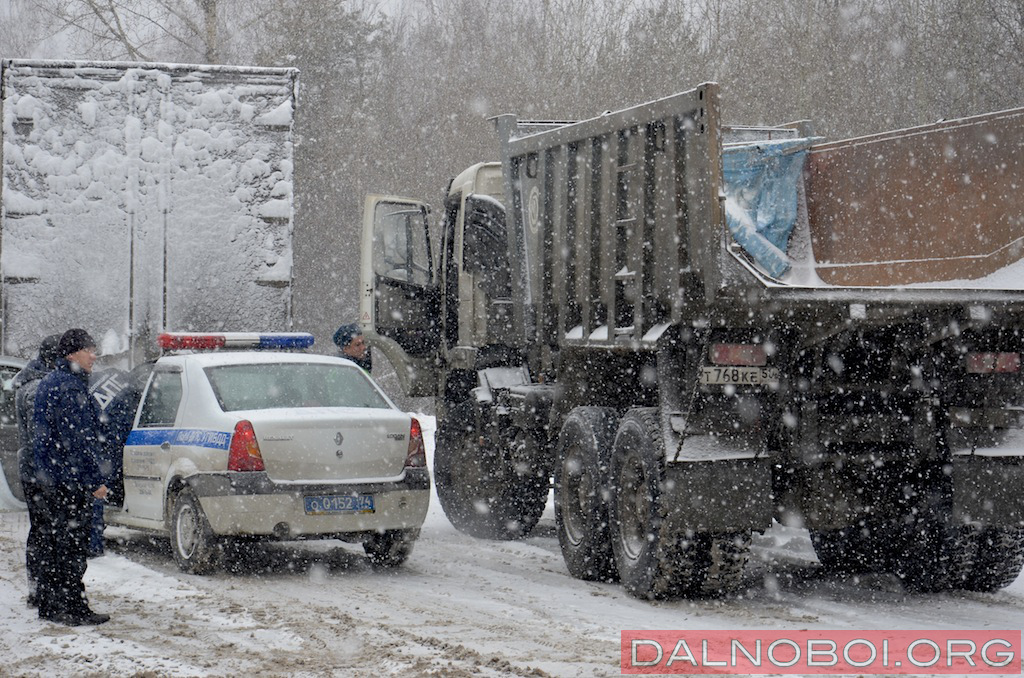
(459, 607)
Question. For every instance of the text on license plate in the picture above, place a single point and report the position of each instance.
(738, 375)
(343, 503)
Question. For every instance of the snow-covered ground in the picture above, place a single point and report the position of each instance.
(459, 607)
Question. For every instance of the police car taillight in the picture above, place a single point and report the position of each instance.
(244, 453)
(417, 455)
(211, 341)
(989, 363)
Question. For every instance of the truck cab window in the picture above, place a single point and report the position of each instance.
(402, 251)
(485, 246)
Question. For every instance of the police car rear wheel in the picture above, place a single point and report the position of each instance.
(193, 543)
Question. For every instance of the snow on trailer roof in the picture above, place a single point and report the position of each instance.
(119, 67)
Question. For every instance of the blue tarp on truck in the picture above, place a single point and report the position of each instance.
(761, 188)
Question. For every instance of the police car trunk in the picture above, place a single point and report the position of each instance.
(274, 443)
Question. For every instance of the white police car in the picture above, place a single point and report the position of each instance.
(269, 444)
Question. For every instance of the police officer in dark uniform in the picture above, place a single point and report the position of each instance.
(67, 456)
(349, 338)
(26, 384)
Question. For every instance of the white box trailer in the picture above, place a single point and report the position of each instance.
(139, 197)
(136, 198)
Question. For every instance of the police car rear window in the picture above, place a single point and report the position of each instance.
(264, 386)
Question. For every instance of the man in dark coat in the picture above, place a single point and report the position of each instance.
(117, 395)
(67, 456)
(26, 383)
(349, 338)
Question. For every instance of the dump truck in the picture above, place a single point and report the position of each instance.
(142, 197)
(692, 331)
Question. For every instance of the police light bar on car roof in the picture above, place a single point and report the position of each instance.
(211, 341)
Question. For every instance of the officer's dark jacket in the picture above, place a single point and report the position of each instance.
(26, 383)
(67, 441)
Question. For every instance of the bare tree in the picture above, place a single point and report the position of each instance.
(1007, 43)
(22, 29)
(340, 49)
(142, 30)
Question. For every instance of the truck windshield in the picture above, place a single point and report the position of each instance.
(265, 386)
(401, 249)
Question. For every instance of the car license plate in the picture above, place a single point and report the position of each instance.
(339, 503)
(741, 376)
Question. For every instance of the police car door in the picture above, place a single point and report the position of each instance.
(149, 448)
(10, 441)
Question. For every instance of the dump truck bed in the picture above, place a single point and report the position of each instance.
(623, 225)
(940, 202)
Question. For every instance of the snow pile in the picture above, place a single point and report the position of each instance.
(1008, 278)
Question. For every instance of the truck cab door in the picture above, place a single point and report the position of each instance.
(486, 300)
(400, 305)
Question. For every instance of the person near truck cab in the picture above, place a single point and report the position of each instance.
(66, 444)
(26, 383)
(105, 387)
(117, 395)
(349, 338)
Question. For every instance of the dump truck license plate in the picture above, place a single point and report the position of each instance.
(739, 375)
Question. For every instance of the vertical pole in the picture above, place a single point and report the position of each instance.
(163, 310)
(131, 289)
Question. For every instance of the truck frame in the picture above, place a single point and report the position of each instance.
(585, 319)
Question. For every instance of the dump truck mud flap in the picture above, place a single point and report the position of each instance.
(729, 495)
(987, 490)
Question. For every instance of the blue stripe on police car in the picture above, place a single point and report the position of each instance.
(219, 440)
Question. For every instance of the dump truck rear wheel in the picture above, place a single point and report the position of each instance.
(924, 551)
(653, 561)
(996, 556)
(487, 490)
(582, 493)
(854, 549)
